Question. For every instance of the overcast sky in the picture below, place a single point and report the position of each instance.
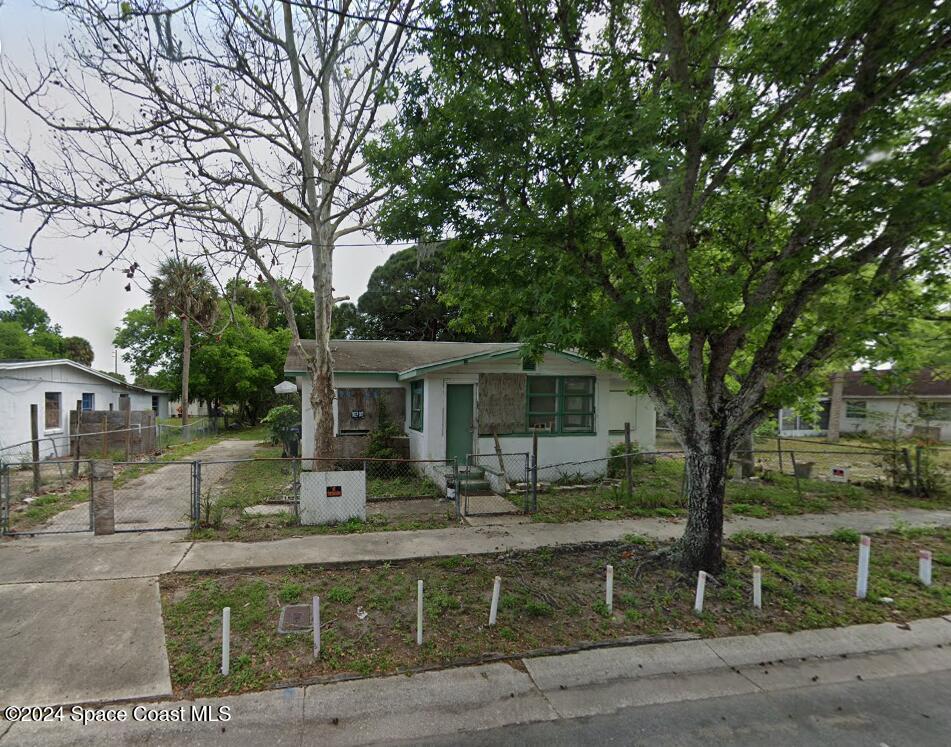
(94, 309)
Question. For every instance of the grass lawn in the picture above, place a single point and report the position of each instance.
(253, 483)
(550, 597)
(657, 492)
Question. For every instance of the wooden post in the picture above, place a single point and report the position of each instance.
(779, 451)
(77, 436)
(103, 502)
(795, 469)
(105, 436)
(35, 444)
(628, 466)
(498, 455)
(534, 476)
(911, 476)
(128, 434)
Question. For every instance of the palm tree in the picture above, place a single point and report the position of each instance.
(181, 289)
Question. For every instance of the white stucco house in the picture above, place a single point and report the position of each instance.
(451, 398)
(922, 409)
(55, 387)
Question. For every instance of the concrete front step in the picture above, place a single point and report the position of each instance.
(476, 473)
(473, 486)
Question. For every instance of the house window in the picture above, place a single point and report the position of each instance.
(89, 401)
(155, 401)
(934, 410)
(561, 404)
(855, 409)
(416, 406)
(124, 402)
(54, 409)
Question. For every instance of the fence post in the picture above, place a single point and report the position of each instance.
(105, 436)
(196, 493)
(779, 451)
(76, 437)
(918, 450)
(103, 501)
(911, 477)
(35, 446)
(128, 434)
(455, 484)
(4, 500)
(628, 467)
(795, 469)
(533, 481)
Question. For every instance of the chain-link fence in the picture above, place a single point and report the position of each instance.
(169, 434)
(43, 497)
(492, 484)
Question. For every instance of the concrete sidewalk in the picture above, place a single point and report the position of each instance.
(72, 558)
(543, 689)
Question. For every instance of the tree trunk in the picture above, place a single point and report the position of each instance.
(186, 365)
(321, 366)
(701, 547)
(836, 406)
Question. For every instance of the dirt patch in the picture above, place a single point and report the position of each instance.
(550, 599)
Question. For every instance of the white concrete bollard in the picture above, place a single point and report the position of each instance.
(315, 618)
(494, 609)
(226, 641)
(419, 612)
(861, 584)
(609, 589)
(757, 587)
(701, 587)
(924, 567)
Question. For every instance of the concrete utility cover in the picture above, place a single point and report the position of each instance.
(294, 618)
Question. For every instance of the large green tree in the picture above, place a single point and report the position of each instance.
(182, 290)
(404, 301)
(28, 333)
(718, 198)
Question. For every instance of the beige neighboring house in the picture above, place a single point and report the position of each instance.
(921, 410)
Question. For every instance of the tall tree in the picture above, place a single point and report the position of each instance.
(237, 124)
(719, 198)
(403, 301)
(181, 289)
(38, 337)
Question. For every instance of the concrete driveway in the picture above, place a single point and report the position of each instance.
(162, 499)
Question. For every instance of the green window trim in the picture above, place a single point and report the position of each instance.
(565, 403)
(416, 406)
(856, 409)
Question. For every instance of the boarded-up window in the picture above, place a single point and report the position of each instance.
(54, 410)
(502, 403)
(358, 410)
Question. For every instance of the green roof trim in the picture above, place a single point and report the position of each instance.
(412, 373)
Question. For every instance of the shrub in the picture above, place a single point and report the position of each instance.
(341, 594)
(616, 458)
(380, 443)
(845, 535)
(279, 420)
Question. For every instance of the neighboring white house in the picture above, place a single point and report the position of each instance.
(451, 397)
(55, 387)
(923, 409)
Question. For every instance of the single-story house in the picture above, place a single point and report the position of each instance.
(55, 387)
(452, 398)
(922, 409)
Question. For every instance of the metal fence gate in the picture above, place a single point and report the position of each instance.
(495, 484)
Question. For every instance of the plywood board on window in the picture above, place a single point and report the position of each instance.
(365, 401)
(502, 403)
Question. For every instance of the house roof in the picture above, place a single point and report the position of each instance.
(18, 365)
(404, 358)
(923, 384)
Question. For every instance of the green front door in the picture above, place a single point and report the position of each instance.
(458, 422)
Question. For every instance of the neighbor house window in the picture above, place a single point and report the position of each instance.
(416, 405)
(934, 410)
(561, 404)
(54, 409)
(155, 403)
(89, 401)
(855, 409)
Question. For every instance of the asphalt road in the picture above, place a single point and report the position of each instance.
(897, 712)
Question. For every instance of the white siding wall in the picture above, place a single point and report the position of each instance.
(611, 411)
(20, 388)
(882, 415)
